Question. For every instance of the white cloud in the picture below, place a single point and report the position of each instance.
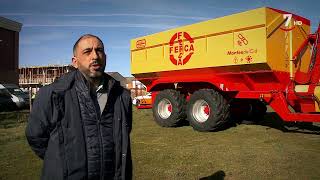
(16, 14)
(135, 15)
(34, 39)
(108, 15)
(69, 20)
(101, 25)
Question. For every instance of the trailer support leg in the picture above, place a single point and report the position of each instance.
(279, 104)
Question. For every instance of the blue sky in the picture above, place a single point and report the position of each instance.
(50, 27)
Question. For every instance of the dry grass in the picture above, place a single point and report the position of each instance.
(241, 152)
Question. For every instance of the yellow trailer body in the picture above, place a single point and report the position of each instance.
(264, 37)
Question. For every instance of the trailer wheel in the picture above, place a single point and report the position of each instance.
(208, 110)
(169, 108)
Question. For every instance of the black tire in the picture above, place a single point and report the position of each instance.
(219, 110)
(164, 117)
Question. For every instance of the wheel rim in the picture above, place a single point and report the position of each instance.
(201, 111)
(164, 108)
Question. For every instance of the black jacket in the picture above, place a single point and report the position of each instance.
(55, 130)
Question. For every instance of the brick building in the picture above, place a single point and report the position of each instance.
(9, 50)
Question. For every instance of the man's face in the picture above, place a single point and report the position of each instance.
(90, 57)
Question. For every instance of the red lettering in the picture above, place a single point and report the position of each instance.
(246, 51)
(186, 48)
(176, 49)
(179, 35)
(180, 49)
(191, 48)
(253, 51)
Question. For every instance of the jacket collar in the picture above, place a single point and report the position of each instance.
(67, 81)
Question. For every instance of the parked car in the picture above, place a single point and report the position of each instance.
(142, 100)
(20, 98)
(6, 103)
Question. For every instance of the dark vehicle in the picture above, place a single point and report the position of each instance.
(20, 98)
(6, 103)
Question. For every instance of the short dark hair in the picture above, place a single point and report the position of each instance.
(75, 46)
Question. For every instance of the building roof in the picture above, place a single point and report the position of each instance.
(10, 24)
(116, 76)
(130, 79)
(47, 66)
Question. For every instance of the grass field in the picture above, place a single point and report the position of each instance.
(262, 151)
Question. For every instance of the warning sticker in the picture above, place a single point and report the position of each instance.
(242, 40)
(242, 56)
(181, 48)
(141, 43)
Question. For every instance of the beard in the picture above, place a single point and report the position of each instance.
(95, 74)
(94, 71)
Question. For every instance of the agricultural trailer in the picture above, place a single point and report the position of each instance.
(231, 66)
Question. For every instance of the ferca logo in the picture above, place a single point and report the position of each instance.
(181, 48)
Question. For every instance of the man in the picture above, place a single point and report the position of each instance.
(80, 124)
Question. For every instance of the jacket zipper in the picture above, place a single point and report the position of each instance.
(98, 116)
(100, 134)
